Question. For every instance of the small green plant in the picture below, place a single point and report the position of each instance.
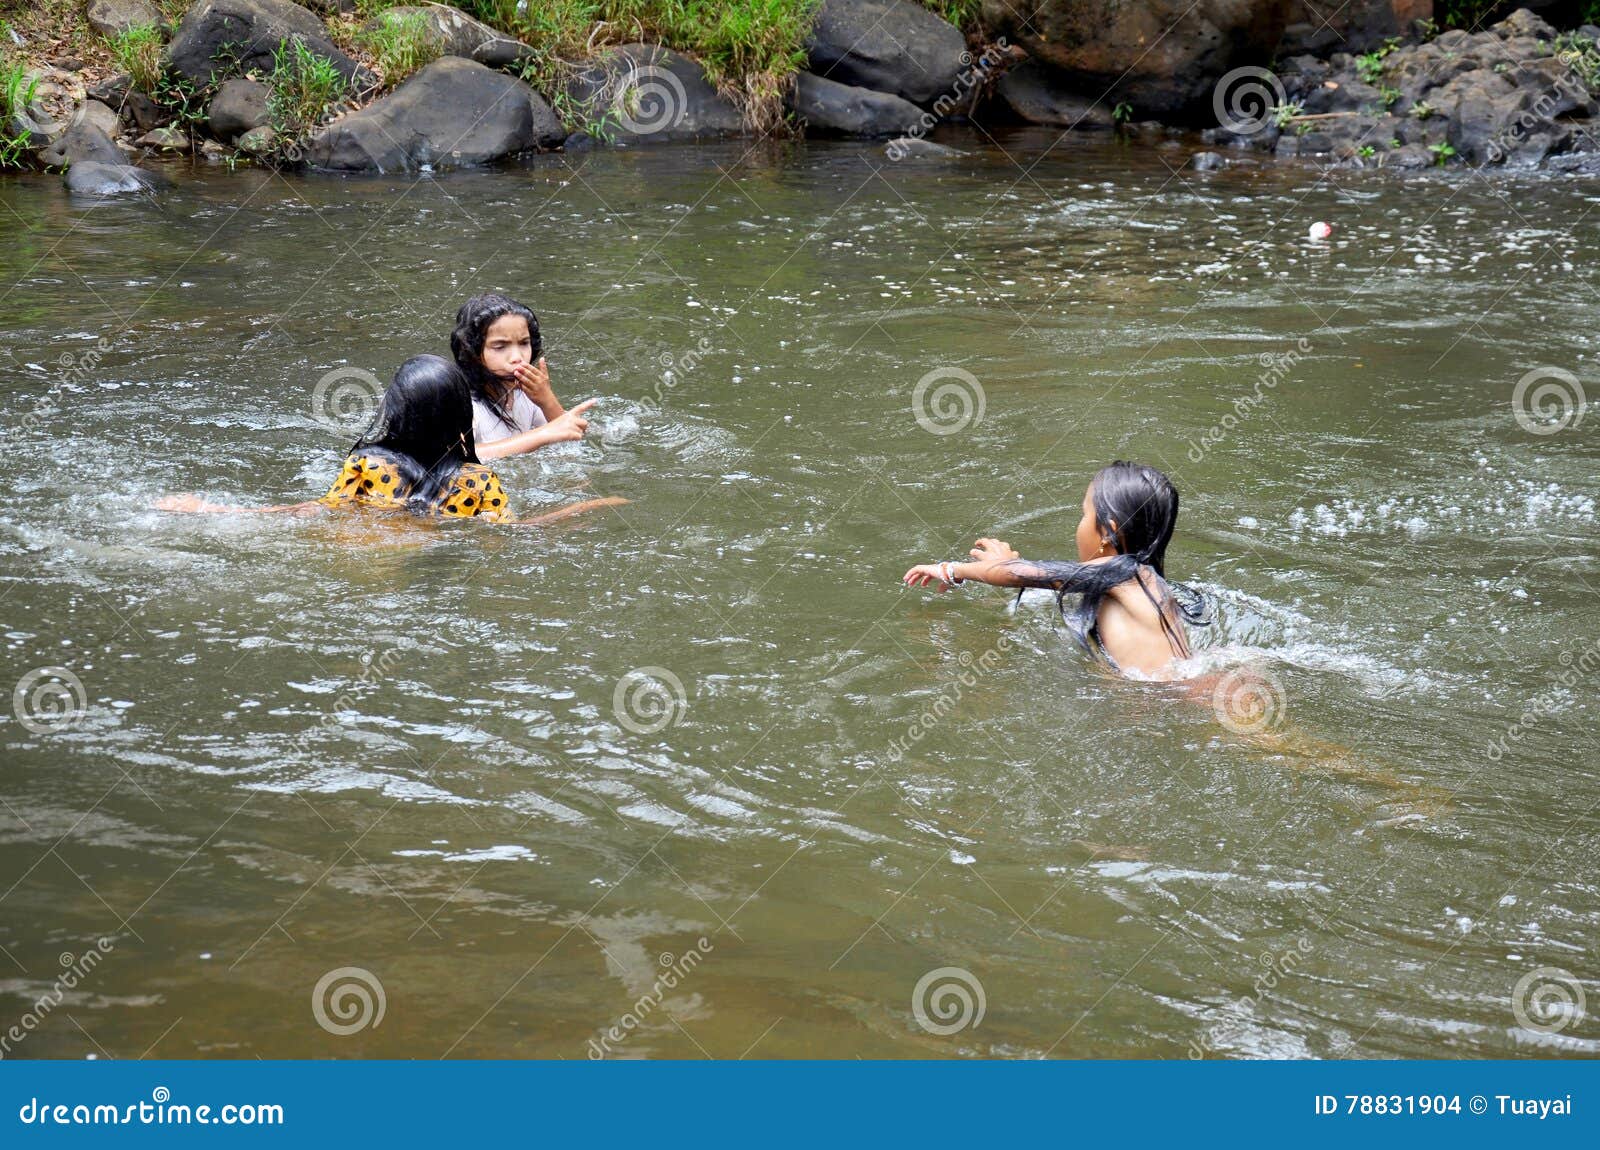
(137, 51)
(184, 101)
(401, 43)
(1369, 65)
(1285, 114)
(1122, 113)
(1395, 143)
(1302, 128)
(1390, 96)
(1366, 151)
(302, 89)
(1422, 110)
(1441, 153)
(1427, 29)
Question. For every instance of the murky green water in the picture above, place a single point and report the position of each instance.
(401, 747)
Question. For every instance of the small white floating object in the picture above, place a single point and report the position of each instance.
(1320, 231)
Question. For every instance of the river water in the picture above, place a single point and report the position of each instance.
(696, 777)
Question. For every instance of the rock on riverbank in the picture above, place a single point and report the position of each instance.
(1519, 94)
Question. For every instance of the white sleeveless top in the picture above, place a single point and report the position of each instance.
(487, 427)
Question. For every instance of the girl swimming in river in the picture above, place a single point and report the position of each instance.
(1128, 613)
(417, 455)
(497, 346)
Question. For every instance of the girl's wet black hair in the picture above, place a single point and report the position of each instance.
(466, 344)
(1143, 504)
(424, 424)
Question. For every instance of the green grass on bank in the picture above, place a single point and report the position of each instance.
(16, 92)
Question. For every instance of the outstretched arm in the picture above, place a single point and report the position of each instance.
(993, 562)
(569, 511)
(565, 427)
(193, 504)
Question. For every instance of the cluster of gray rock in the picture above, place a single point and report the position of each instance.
(1516, 93)
(877, 68)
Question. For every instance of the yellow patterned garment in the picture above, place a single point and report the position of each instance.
(373, 480)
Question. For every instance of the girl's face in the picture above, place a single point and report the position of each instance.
(1091, 542)
(507, 346)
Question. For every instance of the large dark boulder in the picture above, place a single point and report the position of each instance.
(238, 106)
(1164, 57)
(453, 113)
(83, 143)
(643, 92)
(889, 46)
(249, 32)
(829, 107)
(1037, 94)
(449, 31)
(1479, 105)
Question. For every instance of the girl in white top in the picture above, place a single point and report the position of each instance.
(496, 344)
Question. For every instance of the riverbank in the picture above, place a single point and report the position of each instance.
(95, 89)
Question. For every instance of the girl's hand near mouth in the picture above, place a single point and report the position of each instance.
(534, 380)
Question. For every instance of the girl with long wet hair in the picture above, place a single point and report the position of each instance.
(497, 345)
(417, 456)
(1127, 612)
